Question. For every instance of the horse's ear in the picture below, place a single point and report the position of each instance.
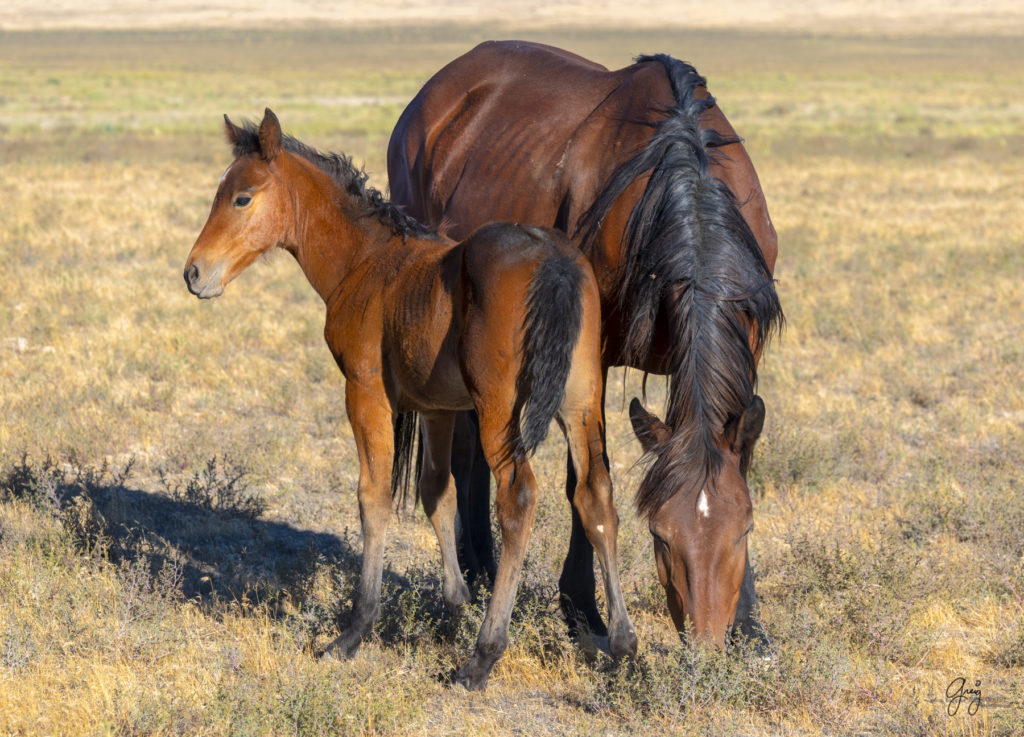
(748, 430)
(232, 131)
(650, 431)
(270, 135)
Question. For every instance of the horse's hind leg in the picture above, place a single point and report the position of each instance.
(437, 490)
(582, 419)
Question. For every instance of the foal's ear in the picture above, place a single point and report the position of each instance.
(650, 431)
(270, 135)
(232, 131)
(748, 430)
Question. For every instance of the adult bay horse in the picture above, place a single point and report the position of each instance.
(644, 171)
(505, 322)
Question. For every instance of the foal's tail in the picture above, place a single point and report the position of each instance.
(554, 314)
(406, 425)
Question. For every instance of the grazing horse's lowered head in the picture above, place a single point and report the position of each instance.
(700, 530)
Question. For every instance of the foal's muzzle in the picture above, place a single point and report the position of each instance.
(202, 288)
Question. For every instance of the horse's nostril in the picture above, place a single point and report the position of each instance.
(191, 275)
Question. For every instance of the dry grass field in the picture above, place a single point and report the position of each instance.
(178, 526)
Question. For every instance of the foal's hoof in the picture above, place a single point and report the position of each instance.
(342, 648)
(622, 642)
(456, 597)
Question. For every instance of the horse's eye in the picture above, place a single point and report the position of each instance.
(242, 200)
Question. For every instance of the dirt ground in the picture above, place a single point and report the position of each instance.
(874, 16)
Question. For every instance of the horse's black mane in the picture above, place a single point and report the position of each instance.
(691, 255)
(350, 178)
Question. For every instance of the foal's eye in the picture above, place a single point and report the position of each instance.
(242, 200)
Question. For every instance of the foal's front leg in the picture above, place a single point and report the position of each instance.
(371, 417)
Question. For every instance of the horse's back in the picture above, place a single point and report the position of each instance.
(518, 132)
(529, 133)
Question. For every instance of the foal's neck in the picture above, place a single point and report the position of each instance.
(334, 231)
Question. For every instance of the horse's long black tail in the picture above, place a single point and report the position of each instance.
(554, 315)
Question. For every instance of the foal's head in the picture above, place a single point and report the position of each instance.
(251, 214)
(700, 530)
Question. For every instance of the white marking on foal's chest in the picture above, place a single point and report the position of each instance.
(702, 504)
(600, 528)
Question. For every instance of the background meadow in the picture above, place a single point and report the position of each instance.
(178, 525)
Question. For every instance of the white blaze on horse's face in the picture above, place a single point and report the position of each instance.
(702, 504)
(701, 557)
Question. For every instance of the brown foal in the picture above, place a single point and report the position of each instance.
(506, 322)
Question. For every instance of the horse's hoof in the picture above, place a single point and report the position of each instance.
(472, 676)
(591, 645)
(755, 642)
(582, 620)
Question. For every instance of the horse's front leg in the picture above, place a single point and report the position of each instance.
(371, 417)
(473, 482)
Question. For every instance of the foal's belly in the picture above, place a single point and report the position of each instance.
(436, 386)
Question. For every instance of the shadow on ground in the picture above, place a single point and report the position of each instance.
(206, 532)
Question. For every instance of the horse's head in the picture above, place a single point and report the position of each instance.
(700, 531)
(249, 212)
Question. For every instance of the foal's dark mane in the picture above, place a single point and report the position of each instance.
(346, 175)
(689, 254)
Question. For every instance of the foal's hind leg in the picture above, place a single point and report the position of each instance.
(595, 506)
(437, 490)
(576, 585)
(516, 500)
